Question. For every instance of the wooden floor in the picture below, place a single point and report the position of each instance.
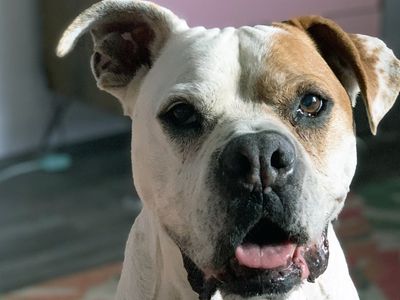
(58, 223)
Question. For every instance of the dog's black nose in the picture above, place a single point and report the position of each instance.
(258, 160)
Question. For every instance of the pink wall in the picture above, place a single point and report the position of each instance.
(358, 16)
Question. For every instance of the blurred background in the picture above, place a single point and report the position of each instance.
(66, 196)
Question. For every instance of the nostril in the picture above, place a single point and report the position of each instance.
(238, 165)
(243, 164)
(279, 160)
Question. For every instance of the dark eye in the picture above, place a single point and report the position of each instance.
(182, 115)
(310, 105)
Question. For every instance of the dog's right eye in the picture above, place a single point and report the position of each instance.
(182, 115)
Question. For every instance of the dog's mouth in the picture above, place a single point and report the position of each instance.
(269, 261)
(275, 250)
(272, 261)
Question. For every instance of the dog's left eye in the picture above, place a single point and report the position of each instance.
(182, 115)
(310, 105)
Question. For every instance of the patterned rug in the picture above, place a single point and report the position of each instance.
(369, 228)
(96, 284)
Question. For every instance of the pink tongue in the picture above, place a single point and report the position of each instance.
(264, 257)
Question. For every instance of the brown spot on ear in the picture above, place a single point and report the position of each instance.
(368, 64)
(392, 76)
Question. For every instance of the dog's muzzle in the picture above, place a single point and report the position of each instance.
(263, 249)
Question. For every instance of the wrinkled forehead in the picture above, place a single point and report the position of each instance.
(204, 60)
(246, 62)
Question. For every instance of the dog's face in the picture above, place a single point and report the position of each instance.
(241, 145)
(243, 139)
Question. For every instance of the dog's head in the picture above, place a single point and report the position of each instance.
(243, 140)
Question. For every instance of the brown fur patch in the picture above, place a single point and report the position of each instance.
(295, 66)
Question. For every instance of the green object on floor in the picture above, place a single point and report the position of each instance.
(382, 201)
(384, 195)
(48, 163)
(55, 162)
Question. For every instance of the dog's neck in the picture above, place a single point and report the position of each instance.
(153, 268)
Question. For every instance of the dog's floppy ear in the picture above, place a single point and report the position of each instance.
(128, 35)
(361, 63)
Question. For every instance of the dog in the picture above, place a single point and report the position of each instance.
(243, 148)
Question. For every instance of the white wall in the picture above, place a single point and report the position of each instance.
(358, 16)
(391, 35)
(391, 24)
(23, 97)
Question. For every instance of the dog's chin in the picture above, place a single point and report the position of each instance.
(247, 282)
(260, 268)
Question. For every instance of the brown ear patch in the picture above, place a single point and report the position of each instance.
(339, 51)
(361, 63)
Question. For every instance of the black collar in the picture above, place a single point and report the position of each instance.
(205, 289)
